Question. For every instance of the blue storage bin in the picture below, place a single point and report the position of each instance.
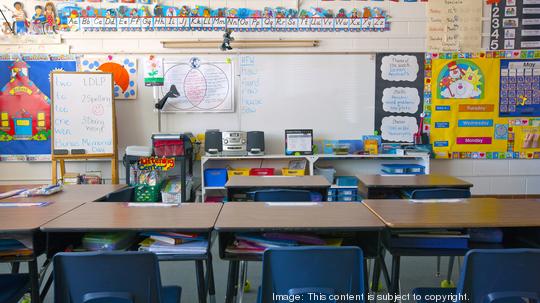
(402, 169)
(347, 198)
(347, 181)
(347, 192)
(332, 192)
(215, 177)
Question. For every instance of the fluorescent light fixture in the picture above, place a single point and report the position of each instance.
(240, 44)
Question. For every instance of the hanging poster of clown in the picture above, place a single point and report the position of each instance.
(461, 79)
(464, 110)
(25, 121)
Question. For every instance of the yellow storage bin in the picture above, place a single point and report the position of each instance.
(293, 172)
(238, 172)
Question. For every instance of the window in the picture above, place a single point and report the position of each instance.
(4, 117)
(41, 119)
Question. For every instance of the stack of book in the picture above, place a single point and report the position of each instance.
(172, 243)
(251, 243)
(13, 248)
(432, 239)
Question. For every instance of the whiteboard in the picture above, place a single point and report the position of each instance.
(204, 86)
(331, 94)
(83, 112)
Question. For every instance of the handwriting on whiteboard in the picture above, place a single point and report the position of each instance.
(250, 85)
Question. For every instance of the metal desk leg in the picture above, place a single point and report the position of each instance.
(450, 268)
(232, 280)
(210, 279)
(201, 285)
(15, 267)
(242, 280)
(377, 271)
(394, 285)
(34, 281)
(366, 280)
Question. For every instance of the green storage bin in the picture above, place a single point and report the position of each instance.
(148, 193)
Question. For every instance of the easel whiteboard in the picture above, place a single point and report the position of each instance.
(83, 113)
(204, 86)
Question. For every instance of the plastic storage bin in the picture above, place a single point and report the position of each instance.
(347, 181)
(261, 172)
(327, 172)
(168, 148)
(293, 172)
(148, 193)
(215, 177)
(237, 172)
(400, 169)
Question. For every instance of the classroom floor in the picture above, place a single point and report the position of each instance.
(416, 272)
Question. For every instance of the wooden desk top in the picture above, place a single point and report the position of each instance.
(411, 181)
(479, 212)
(110, 216)
(277, 181)
(24, 219)
(258, 216)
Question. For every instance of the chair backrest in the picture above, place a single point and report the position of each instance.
(501, 276)
(94, 276)
(312, 269)
(287, 195)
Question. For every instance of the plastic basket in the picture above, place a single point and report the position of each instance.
(168, 148)
(261, 172)
(148, 193)
(173, 198)
(293, 172)
(238, 172)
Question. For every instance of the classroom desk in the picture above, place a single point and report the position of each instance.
(27, 220)
(118, 216)
(239, 184)
(373, 186)
(279, 217)
(468, 213)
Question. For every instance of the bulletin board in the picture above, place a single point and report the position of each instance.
(399, 98)
(25, 132)
(470, 115)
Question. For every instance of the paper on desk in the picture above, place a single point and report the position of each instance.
(145, 204)
(23, 204)
(292, 203)
(437, 201)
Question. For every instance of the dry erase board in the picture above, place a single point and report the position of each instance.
(331, 94)
(83, 113)
(399, 95)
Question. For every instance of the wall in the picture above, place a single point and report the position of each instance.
(136, 119)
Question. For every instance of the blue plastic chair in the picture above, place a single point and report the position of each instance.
(312, 269)
(13, 287)
(496, 276)
(110, 277)
(286, 195)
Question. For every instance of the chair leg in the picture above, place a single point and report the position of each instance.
(201, 285)
(34, 281)
(210, 279)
